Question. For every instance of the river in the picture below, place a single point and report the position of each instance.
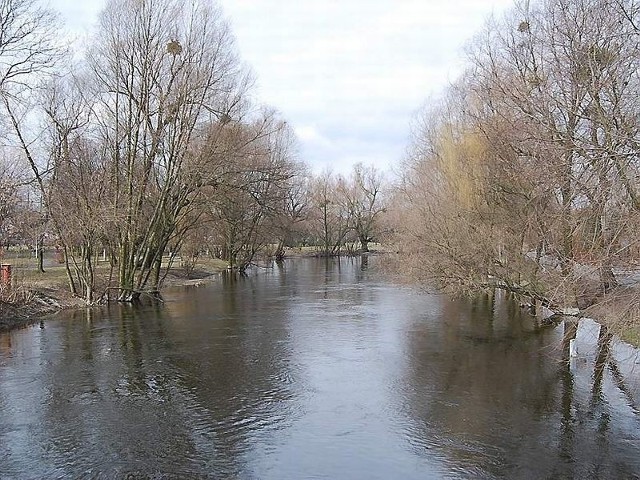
(316, 370)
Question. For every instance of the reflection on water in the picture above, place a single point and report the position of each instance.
(316, 369)
(499, 395)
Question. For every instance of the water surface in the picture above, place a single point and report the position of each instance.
(318, 370)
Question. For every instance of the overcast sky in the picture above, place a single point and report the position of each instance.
(348, 75)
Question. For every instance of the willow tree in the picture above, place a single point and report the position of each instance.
(548, 202)
(162, 69)
(445, 214)
(565, 72)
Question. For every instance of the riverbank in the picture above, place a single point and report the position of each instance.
(38, 295)
(35, 296)
(618, 310)
(33, 307)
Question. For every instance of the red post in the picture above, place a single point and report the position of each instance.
(5, 275)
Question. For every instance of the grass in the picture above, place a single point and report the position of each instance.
(26, 275)
(314, 249)
(212, 264)
(630, 334)
(620, 311)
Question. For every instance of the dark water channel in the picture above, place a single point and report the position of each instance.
(321, 371)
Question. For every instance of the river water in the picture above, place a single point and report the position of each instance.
(318, 370)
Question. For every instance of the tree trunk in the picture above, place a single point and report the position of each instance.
(40, 255)
(567, 231)
(280, 251)
(364, 242)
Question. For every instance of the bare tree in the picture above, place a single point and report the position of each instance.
(329, 218)
(249, 184)
(530, 162)
(73, 191)
(289, 224)
(29, 51)
(10, 202)
(161, 70)
(365, 203)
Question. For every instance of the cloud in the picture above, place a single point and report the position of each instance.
(310, 134)
(347, 74)
(354, 69)
(79, 17)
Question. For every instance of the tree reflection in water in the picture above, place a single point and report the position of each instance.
(315, 366)
(486, 395)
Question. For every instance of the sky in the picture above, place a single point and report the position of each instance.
(348, 75)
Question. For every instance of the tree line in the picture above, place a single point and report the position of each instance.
(525, 174)
(145, 143)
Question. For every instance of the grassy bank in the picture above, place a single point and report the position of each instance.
(34, 295)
